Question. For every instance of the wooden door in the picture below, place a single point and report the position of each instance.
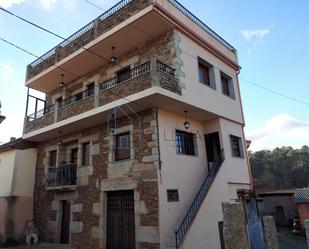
(65, 222)
(120, 220)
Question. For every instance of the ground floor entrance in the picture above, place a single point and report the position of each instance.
(65, 222)
(120, 220)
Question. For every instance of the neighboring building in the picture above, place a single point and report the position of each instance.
(279, 204)
(120, 161)
(301, 199)
(17, 171)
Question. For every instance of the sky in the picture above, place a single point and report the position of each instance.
(271, 38)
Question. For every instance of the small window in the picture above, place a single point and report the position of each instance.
(124, 74)
(203, 72)
(237, 150)
(86, 154)
(185, 143)
(122, 149)
(172, 195)
(74, 154)
(52, 158)
(227, 86)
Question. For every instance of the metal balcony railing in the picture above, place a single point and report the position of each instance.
(77, 97)
(61, 176)
(201, 24)
(186, 222)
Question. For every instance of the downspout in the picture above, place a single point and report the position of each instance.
(243, 132)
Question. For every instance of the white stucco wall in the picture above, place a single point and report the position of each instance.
(25, 162)
(17, 172)
(200, 95)
(195, 28)
(7, 160)
(186, 174)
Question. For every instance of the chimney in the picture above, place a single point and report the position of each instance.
(12, 139)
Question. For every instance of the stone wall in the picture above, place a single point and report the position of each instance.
(270, 230)
(75, 108)
(38, 123)
(161, 48)
(234, 226)
(88, 200)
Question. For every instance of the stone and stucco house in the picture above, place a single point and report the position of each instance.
(17, 171)
(141, 138)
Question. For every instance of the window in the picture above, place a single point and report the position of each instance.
(227, 86)
(52, 158)
(203, 72)
(124, 74)
(185, 143)
(237, 150)
(206, 73)
(74, 153)
(90, 89)
(122, 149)
(172, 195)
(86, 154)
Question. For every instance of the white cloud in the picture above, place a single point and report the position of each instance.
(9, 3)
(6, 71)
(280, 130)
(48, 4)
(256, 34)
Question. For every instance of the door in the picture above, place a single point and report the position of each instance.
(213, 147)
(280, 216)
(65, 222)
(120, 220)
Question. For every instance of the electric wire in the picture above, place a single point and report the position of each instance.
(189, 54)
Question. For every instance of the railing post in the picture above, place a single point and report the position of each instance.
(96, 95)
(155, 81)
(56, 107)
(96, 28)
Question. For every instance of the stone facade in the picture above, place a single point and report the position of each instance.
(88, 215)
(270, 230)
(162, 48)
(234, 226)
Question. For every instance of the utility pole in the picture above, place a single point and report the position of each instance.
(2, 118)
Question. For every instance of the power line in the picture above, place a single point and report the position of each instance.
(94, 5)
(275, 92)
(90, 51)
(31, 23)
(256, 84)
(64, 70)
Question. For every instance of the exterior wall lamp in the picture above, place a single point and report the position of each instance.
(113, 59)
(61, 83)
(186, 123)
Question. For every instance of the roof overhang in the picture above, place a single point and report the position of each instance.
(150, 98)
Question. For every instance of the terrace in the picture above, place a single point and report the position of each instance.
(149, 74)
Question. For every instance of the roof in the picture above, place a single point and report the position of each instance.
(301, 195)
(278, 192)
(17, 144)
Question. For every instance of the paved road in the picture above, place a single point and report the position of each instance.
(41, 246)
(288, 240)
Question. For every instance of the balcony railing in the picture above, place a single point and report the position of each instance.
(201, 24)
(190, 214)
(86, 34)
(62, 176)
(137, 79)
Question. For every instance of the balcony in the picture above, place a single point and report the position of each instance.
(61, 177)
(149, 74)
